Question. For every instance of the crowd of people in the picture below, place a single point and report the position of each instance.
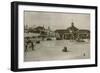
(28, 42)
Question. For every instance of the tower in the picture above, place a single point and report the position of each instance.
(72, 24)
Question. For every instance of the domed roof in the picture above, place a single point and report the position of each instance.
(72, 28)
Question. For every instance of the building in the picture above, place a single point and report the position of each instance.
(84, 34)
(72, 33)
(42, 31)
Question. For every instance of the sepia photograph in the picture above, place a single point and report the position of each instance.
(50, 36)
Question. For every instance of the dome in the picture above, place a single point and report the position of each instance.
(72, 28)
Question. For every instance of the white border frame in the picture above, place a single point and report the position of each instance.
(22, 64)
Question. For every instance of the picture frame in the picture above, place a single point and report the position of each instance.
(27, 16)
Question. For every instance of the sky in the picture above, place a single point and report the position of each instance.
(56, 20)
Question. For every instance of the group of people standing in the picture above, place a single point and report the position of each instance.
(29, 43)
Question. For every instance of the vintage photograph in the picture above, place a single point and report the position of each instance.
(50, 36)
